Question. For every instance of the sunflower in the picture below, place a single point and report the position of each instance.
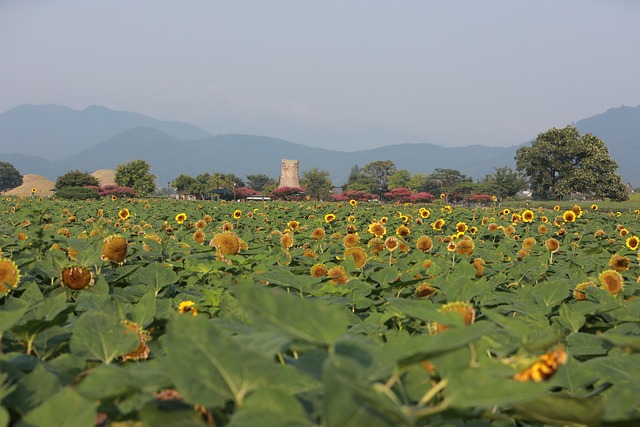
(528, 243)
(543, 229)
(403, 231)
(353, 202)
(505, 212)
(376, 245)
(492, 226)
(188, 307)
(515, 217)
(199, 236)
(478, 264)
(318, 234)
(619, 263)
(391, 243)
(181, 217)
(451, 246)
(594, 207)
(424, 243)
(552, 245)
(76, 278)
(237, 214)
(351, 240)
(114, 249)
(577, 210)
(338, 275)
(384, 220)
(287, 240)
(226, 226)
(569, 216)
(578, 292)
(611, 281)
(113, 197)
(527, 216)
(201, 224)
(142, 350)
(425, 290)
(509, 230)
(473, 229)
(319, 270)
(623, 232)
(633, 242)
(329, 218)
(556, 208)
(358, 255)
(226, 243)
(9, 275)
(377, 229)
(465, 246)
(437, 225)
(463, 309)
(461, 227)
(124, 214)
(208, 218)
(424, 213)
(293, 225)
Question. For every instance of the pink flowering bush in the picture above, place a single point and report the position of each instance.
(358, 195)
(288, 193)
(114, 190)
(244, 192)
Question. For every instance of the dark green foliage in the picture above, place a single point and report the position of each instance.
(10, 177)
(136, 174)
(77, 193)
(317, 183)
(76, 178)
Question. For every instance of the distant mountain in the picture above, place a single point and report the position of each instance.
(55, 132)
(619, 128)
(170, 155)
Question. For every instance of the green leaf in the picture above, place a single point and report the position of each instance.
(4, 417)
(144, 310)
(571, 318)
(100, 336)
(311, 321)
(8, 318)
(210, 368)
(64, 409)
(270, 408)
(33, 389)
(561, 410)
(106, 381)
(155, 275)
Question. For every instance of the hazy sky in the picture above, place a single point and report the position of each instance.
(334, 73)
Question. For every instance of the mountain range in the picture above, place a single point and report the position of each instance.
(51, 140)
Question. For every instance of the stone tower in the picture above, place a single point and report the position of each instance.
(289, 176)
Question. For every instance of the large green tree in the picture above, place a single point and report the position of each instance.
(505, 182)
(137, 175)
(561, 161)
(317, 183)
(10, 177)
(446, 181)
(358, 181)
(183, 183)
(380, 171)
(400, 179)
(76, 178)
(260, 182)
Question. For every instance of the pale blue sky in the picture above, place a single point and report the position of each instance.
(337, 74)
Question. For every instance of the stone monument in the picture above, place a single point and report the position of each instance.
(289, 176)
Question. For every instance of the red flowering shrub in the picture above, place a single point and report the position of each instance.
(400, 195)
(244, 192)
(422, 197)
(288, 193)
(114, 190)
(358, 195)
(481, 199)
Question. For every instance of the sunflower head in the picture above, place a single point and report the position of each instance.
(114, 248)
(528, 216)
(338, 275)
(619, 263)
(124, 214)
(552, 245)
(463, 309)
(578, 292)
(611, 281)
(465, 246)
(142, 350)
(76, 278)
(376, 245)
(329, 218)
(358, 254)
(226, 243)
(377, 229)
(9, 275)
(403, 231)
(424, 243)
(319, 270)
(478, 264)
(425, 290)
(188, 307)
(318, 234)
(351, 240)
(633, 242)
(569, 216)
(199, 236)
(391, 243)
(181, 217)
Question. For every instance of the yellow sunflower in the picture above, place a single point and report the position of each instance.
(633, 242)
(329, 218)
(611, 281)
(188, 307)
(237, 214)
(124, 214)
(353, 202)
(181, 217)
(358, 254)
(377, 229)
(528, 216)
(9, 275)
(569, 216)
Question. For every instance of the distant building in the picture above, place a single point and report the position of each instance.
(289, 176)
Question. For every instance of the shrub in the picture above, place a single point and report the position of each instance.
(358, 195)
(422, 197)
(77, 193)
(481, 199)
(244, 192)
(288, 193)
(114, 190)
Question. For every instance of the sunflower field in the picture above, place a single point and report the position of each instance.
(131, 312)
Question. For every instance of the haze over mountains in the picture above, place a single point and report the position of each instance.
(51, 140)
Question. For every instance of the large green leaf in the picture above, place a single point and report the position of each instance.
(65, 409)
(155, 275)
(308, 320)
(100, 336)
(270, 408)
(210, 368)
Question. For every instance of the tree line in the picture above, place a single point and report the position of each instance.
(558, 163)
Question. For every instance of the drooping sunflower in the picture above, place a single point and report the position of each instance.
(543, 229)
(611, 281)
(465, 246)
(201, 224)
(338, 275)
(424, 243)
(76, 278)
(569, 216)
(142, 350)
(594, 207)
(619, 263)
(188, 307)
(528, 243)
(552, 245)
(376, 245)
(633, 242)
(577, 210)
(226, 243)
(358, 254)
(181, 217)
(509, 230)
(9, 275)
(319, 270)
(123, 214)
(286, 240)
(329, 218)
(528, 216)
(492, 226)
(199, 236)
(425, 290)
(377, 229)
(351, 240)
(318, 234)
(478, 264)
(463, 309)
(114, 249)
(451, 246)
(578, 292)
(403, 231)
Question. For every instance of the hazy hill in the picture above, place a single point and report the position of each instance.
(171, 155)
(55, 132)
